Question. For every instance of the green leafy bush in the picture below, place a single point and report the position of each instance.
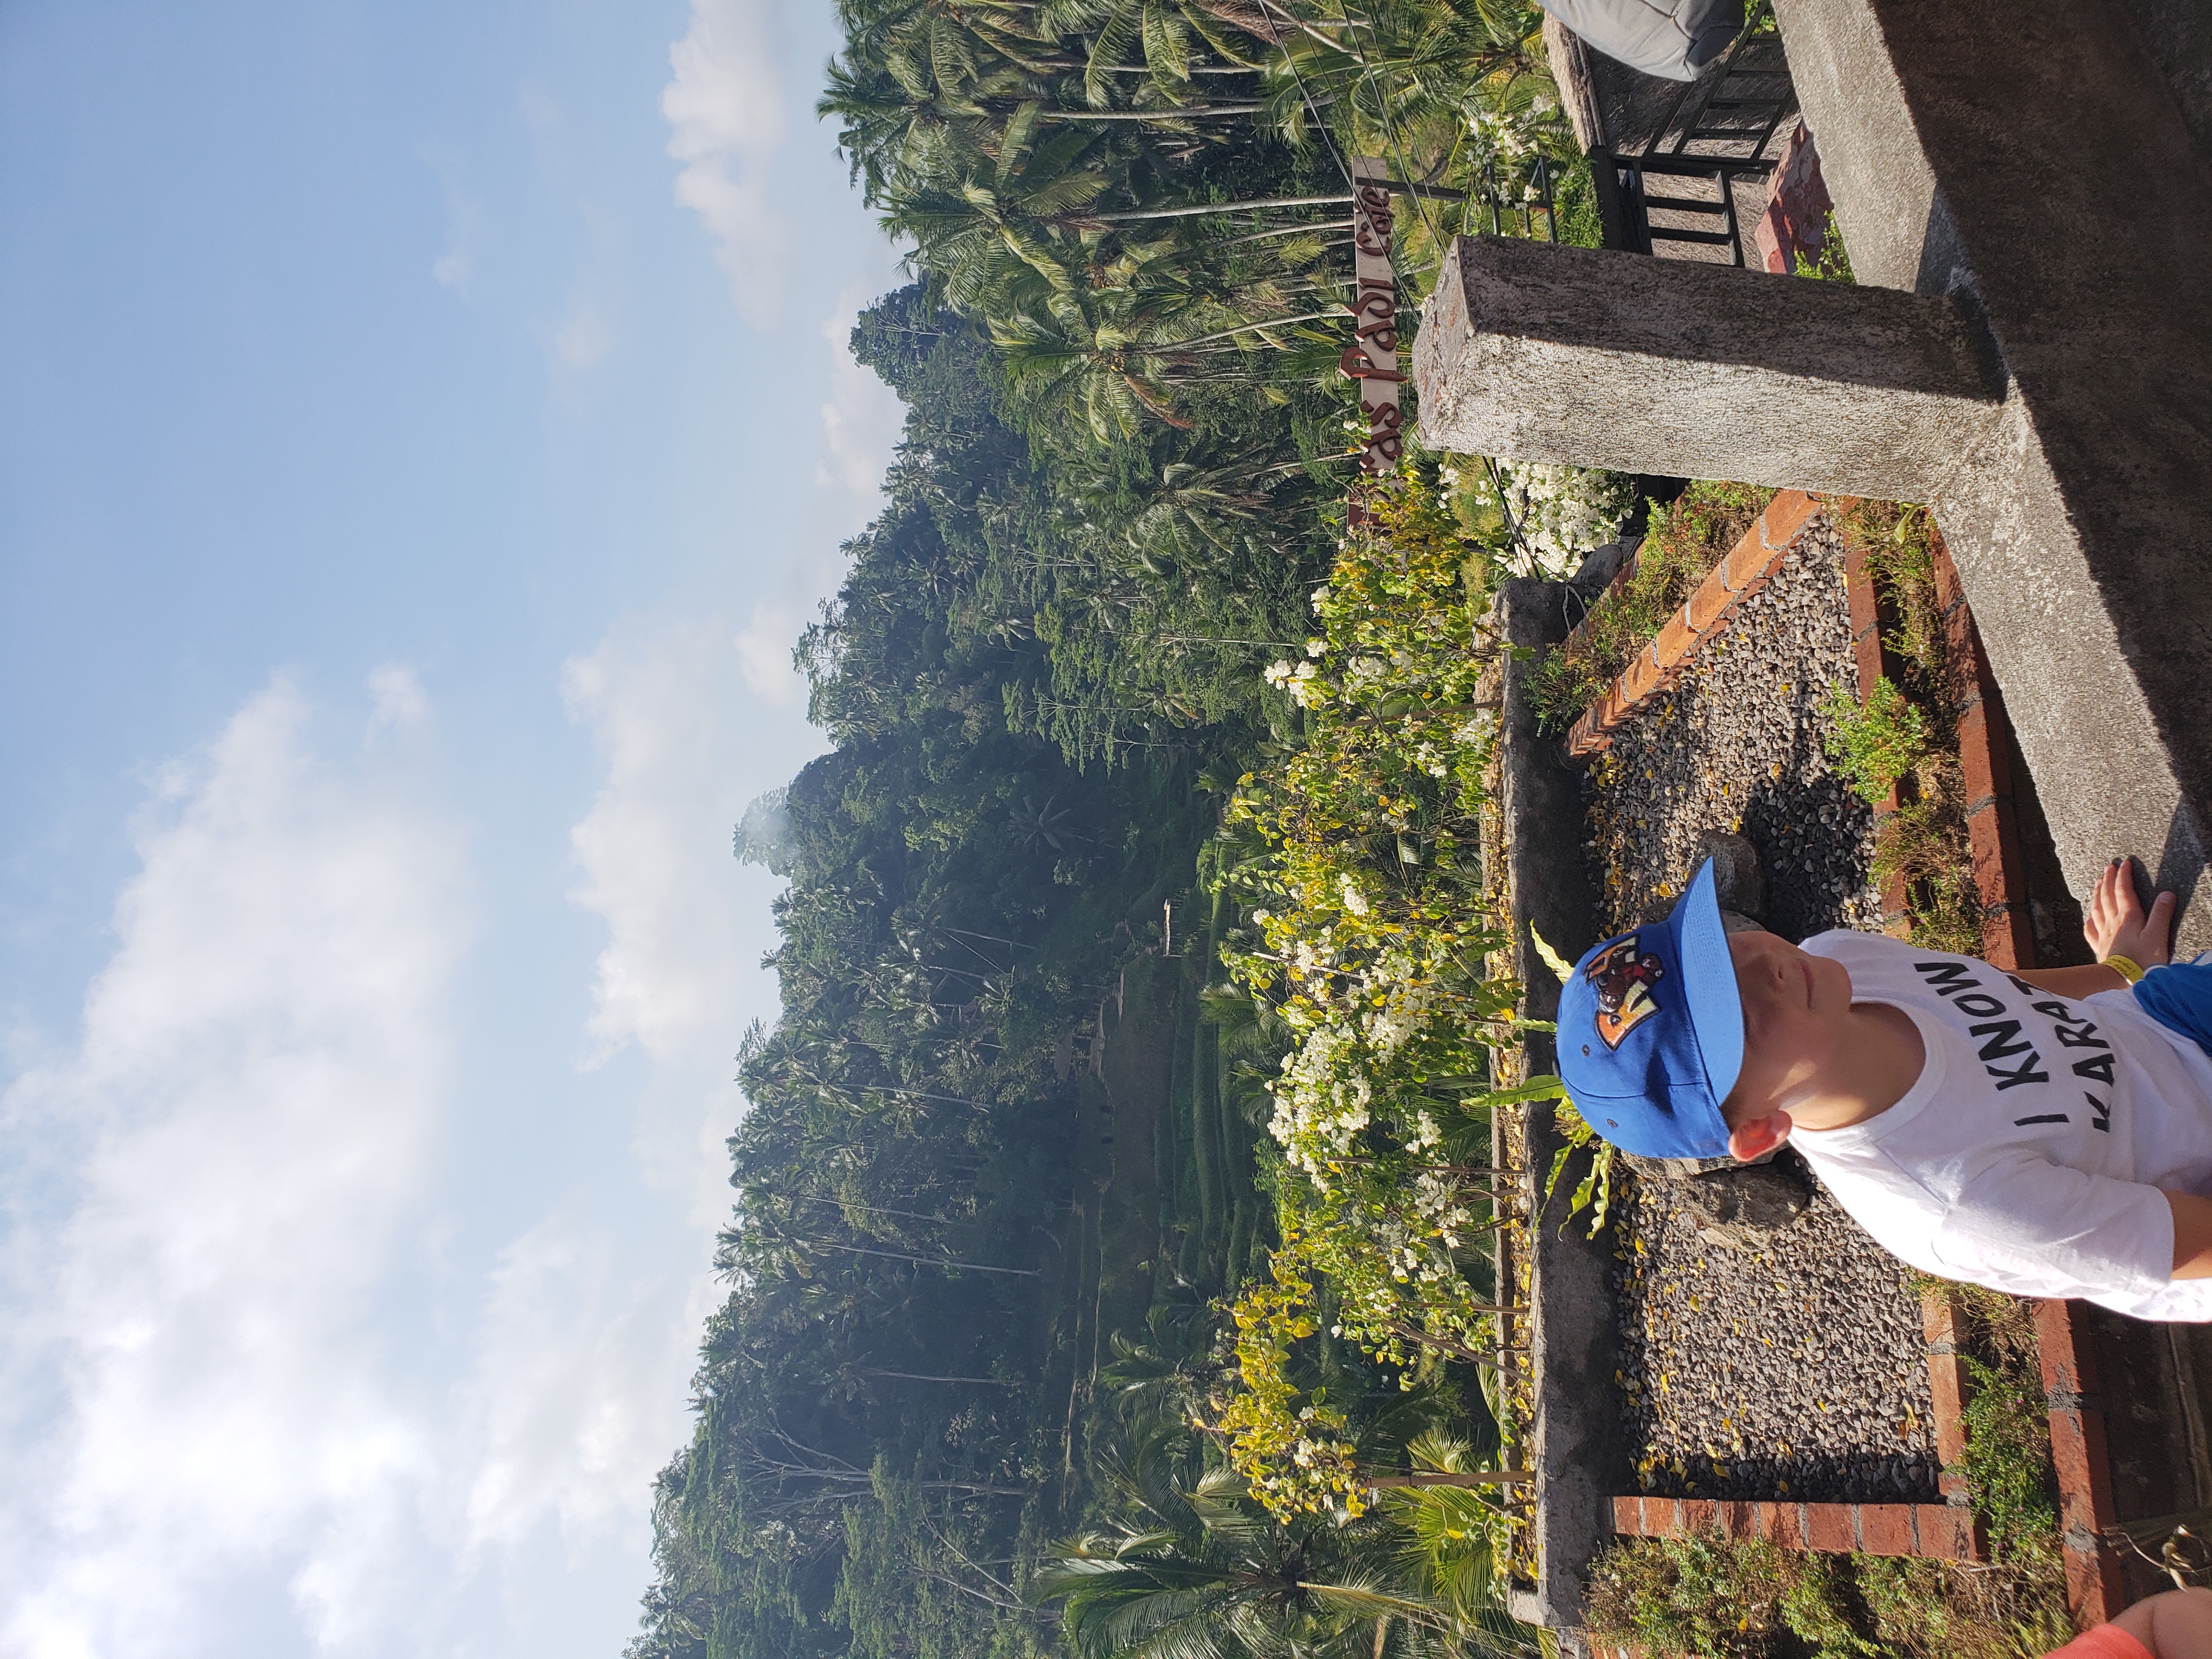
(1730, 1598)
(2009, 1456)
(1876, 743)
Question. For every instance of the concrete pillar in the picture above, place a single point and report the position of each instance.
(1973, 147)
(1537, 352)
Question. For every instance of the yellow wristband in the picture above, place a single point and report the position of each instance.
(2126, 967)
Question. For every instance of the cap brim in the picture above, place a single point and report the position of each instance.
(1715, 1009)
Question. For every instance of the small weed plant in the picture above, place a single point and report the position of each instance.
(1877, 743)
(1687, 540)
(1924, 844)
(1833, 264)
(1900, 557)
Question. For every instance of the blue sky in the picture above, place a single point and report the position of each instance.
(423, 429)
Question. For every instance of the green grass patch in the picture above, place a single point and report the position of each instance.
(1902, 734)
(2007, 1465)
(1687, 540)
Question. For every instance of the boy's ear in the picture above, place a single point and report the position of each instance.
(1755, 1137)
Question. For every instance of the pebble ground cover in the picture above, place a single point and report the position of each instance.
(1739, 744)
(1798, 1371)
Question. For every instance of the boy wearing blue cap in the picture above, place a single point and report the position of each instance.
(2045, 1134)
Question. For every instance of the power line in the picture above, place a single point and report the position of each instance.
(1306, 97)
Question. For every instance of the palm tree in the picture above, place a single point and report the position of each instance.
(1033, 823)
(1191, 1568)
(1447, 1531)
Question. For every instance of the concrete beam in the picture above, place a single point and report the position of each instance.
(1970, 146)
(1550, 354)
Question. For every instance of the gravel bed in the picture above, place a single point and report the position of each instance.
(1736, 744)
(1800, 1371)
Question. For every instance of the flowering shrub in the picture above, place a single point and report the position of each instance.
(1686, 539)
(1293, 1450)
(1369, 940)
(1507, 135)
(1372, 945)
(1550, 515)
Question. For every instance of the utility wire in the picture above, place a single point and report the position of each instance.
(871, 1209)
(1306, 97)
(1405, 169)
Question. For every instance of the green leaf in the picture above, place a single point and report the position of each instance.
(1545, 1087)
(1584, 1191)
(1553, 960)
(1558, 1168)
(1601, 1173)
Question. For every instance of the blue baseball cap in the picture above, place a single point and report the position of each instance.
(1651, 1032)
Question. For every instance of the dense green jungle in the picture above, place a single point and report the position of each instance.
(1005, 1156)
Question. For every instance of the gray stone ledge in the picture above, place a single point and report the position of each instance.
(1575, 1441)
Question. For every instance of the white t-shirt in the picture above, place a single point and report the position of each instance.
(2029, 1155)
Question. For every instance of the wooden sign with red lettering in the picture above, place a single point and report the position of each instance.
(1372, 358)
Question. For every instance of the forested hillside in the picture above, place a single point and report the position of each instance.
(1012, 800)
(1004, 1160)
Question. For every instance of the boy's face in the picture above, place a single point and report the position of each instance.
(1796, 1009)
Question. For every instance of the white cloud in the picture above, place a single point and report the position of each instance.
(654, 849)
(243, 1380)
(764, 654)
(724, 110)
(863, 418)
(679, 975)
(224, 1173)
(455, 268)
(571, 1387)
(396, 698)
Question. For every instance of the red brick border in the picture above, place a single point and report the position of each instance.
(1985, 753)
(1741, 574)
(1940, 1530)
(2094, 1588)
(1947, 1389)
